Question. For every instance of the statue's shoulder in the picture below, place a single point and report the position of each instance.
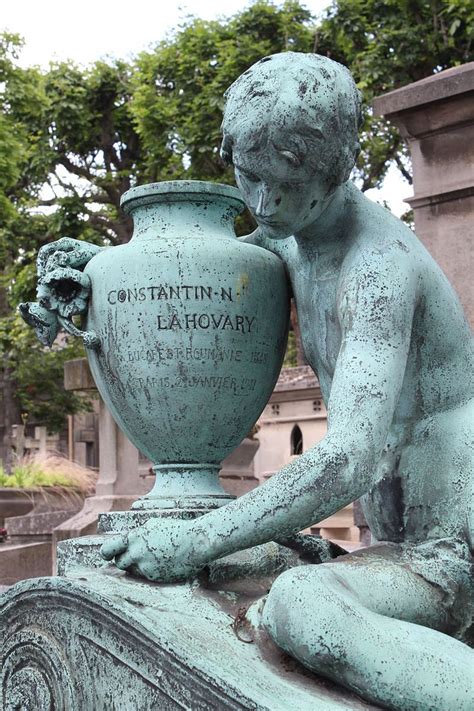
(283, 248)
(382, 267)
(380, 240)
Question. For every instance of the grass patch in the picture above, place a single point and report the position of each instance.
(35, 472)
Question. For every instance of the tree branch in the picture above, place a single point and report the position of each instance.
(110, 190)
(406, 174)
(75, 169)
(48, 203)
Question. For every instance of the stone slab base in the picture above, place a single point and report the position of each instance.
(104, 641)
(85, 522)
(36, 524)
(24, 560)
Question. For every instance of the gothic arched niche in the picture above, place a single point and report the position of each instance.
(296, 440)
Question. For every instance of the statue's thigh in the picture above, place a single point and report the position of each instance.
(383, 584)
(387, 585)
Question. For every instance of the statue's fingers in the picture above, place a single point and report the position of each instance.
(144, 569)
(116, 546)
(75, 258)
(65, 244)
(124, 561)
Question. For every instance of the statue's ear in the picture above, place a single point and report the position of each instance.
(348, 161)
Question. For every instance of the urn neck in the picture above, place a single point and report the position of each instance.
(190, 208)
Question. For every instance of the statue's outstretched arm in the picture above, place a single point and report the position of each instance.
(376, 308)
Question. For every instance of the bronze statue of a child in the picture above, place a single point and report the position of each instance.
(386, 336)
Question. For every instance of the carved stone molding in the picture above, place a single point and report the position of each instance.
(106, 642)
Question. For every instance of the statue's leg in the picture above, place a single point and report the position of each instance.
(376, 627)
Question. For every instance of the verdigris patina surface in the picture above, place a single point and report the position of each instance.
(185, 331)
(387, 338)
(386, 335)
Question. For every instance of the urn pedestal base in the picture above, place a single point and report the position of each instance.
(185, 487)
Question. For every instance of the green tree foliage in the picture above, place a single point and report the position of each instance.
(72, 140)
(30, 376)
(178, 97)
(84, 136)
(115, 125)
(388, 44)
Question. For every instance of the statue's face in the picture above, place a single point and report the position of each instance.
(284, 198)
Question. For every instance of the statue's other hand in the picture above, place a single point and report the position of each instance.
(312, 549)
(65, 252)
(161, 550)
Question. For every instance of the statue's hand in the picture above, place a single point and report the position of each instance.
(161, 550)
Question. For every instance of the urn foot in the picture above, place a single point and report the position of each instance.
(186, 487)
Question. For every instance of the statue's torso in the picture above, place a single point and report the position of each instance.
(425, 478)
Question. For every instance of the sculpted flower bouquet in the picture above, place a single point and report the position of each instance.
(63, 290)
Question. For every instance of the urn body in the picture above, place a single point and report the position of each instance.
(192, 326)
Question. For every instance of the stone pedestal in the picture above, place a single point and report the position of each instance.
(24, 560)
(436, 117)
(98, 639)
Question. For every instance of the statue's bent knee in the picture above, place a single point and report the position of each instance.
(299, 601)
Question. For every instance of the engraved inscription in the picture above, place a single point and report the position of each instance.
(215, 382)
(160, 354)
(167, 292)
(187, 292)
(206, 322)
(259, 357)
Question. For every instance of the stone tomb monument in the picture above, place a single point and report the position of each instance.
(192, 599)
(436, 117)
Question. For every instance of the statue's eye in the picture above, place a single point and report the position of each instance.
(291, 157)
(251, 177)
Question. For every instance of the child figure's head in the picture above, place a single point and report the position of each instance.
(290, 130)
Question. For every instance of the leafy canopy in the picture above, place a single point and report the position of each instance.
(388, 44)
(72, 140)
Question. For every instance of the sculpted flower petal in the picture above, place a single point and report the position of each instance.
(43, 321)
(46, 297)
(65, 252)
(64, 290)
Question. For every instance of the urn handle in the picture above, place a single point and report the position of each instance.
(63, 291)
(90, 338)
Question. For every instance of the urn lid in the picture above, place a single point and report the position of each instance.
(180, 191)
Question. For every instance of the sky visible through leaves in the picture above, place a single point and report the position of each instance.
(55, 31)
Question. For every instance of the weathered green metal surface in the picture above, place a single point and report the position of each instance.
(189, 322)
(98, 640)
(183, 321)
(385, 333)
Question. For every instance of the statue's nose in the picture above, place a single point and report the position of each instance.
(266, 207)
